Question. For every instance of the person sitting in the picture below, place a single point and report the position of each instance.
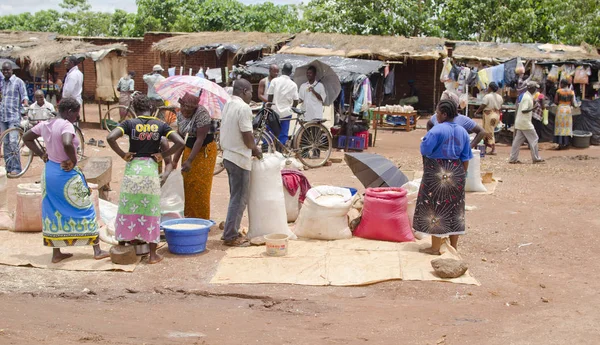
(40, 109)
(68, 214)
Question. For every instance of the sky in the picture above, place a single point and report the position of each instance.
(20, 6)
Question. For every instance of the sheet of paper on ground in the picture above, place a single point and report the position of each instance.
(349, 262)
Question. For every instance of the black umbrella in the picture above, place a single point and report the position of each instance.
(374, 170)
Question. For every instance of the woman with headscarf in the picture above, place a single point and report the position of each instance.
(199, 155)
(68, 216)
(491, 106)
(138, 216)
(563, 122)
(440, 209)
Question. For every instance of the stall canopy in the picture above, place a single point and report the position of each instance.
(380, 47)
(45, 49)
(236, 42)
(500, 52)
(347, 69)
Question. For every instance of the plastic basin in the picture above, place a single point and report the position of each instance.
(187, 235)
(581, 139)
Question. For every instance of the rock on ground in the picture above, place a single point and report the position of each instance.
(449, 268)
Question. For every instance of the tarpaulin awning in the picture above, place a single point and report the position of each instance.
(347, 69)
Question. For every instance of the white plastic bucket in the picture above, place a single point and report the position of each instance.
(277, 244)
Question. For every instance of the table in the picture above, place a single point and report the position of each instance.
(378, 119)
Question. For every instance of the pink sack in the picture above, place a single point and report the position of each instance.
(385, 216)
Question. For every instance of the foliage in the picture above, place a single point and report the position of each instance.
(485, 20)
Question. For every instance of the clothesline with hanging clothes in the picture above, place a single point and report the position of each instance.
(362, 94)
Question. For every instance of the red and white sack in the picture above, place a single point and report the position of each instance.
(384, 216)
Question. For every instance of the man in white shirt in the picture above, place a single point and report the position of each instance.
(237, 142)
(283, 93)
(40, 109)
(73, 86)
(524, 129)
(312, 96)
(151, 80)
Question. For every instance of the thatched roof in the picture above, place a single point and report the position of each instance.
(382, 47)
(495, 52)
(234, 41)
(43, 49)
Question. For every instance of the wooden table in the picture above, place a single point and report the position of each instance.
(378, 120)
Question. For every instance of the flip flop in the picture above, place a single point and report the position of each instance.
(101, 143)
(92, 142)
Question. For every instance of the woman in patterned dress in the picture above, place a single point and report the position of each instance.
(440, 209)
(138, 216)
(68, 216)
(563, 122)
(199, 155)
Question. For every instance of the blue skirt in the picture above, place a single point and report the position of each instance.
(68, 215)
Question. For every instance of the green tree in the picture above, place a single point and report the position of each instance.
(378, 17)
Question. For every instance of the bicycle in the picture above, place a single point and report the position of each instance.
(113, 117)
(311, 143)
(23, 154)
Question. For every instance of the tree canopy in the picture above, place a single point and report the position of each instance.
(553, 21)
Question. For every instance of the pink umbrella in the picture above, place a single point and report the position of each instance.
(213, 96)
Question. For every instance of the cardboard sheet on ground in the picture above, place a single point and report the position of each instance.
(26, 249)
(354, 261)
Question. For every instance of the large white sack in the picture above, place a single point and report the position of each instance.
(292, 205)
(324, 214)
(474, 183)
(265, 211)
(412, 187)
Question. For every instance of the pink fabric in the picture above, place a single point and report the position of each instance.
(292, 180)
(129, 227)
(52, 131)
(385, 216)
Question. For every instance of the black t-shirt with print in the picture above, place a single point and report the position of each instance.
(145, 134)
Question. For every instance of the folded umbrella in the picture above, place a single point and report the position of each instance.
(374, 171)
(213, 97)
(325, 75)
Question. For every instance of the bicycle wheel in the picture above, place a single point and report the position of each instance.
(112, 117)
(81, 147)
(313, 144)
(264, 141)
(219, 167)
(16, 157)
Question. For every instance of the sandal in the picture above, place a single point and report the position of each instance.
(101, 143)
(515, 162)
(92, 142)
(539, 161)
(237, 242)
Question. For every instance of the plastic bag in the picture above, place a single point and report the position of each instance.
(474, 183)
(520, 69)
(385, 216)
(581, 75)
(108, 215)
(412, 189)
(265, 214)
(553, 74)
(545, 117)
(172, 194)
(292, 205)
(444, 76)
(324, 215)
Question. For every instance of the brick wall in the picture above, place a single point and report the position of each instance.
(423, 72)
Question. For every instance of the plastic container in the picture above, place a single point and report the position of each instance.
(581, 139)
(356, 143)
(187, 235)
(28, 213)
(353, 191)
(277, 244)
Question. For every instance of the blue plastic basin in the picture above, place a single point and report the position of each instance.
(352, 190)
(191, 240)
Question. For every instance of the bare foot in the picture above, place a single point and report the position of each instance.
(58, 257)
(154, 259)
(430, 251)
(103, 254)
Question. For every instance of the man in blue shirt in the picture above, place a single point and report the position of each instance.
(14, 94)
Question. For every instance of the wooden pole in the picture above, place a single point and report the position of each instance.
(434, 83)
(582, 92)
(82, 89)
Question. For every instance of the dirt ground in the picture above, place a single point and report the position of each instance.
(530, 245)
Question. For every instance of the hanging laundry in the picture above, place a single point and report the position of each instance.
(454, 72)
(498, 74)
(388, 84)
(510, 77)
(473, 78)
(484, 78)
(362, 94)
(464, 74)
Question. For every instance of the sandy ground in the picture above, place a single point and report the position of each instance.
(531, 245)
